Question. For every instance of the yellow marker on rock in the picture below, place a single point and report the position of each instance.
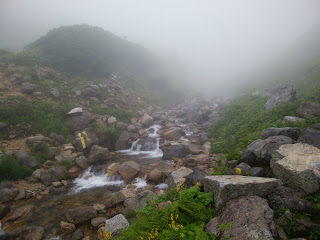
(82, 141)
(87, 137)
(238, 171)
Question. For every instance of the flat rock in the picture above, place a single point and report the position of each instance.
(75, 111)
(81, 214)
(227, 187)
(298, 166)
(178, 176)
(139, 201)
(115, 224)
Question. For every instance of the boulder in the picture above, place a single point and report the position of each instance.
(259, 234)
(98, 155)
(156, 176)
(26, 159)
(139, 201)
(175, 151)
(65, 156)
(27, 87)
(298, 166)
(53, 175)
(178, 176)
(81, 214)
(75, 111)
(195, 177)
(112, 120)
(247, 214)
(67, 228)
(112, 169)
(74, 172)
(129, 170)
(82, 162)
(288, 198)
(124, 139)
(146, 120)
(115, 199)
(18, 215)
(290, 132)
(259, 152)
(77, 235)
(146, 144)
(173, 134)
(80, 122)
(96, 222)
(90, 92)
(281, 95)
(115, 224)
(85, 139)
(27, 233)
(227, 187)
(8, 194)
(308, 109)
(310, 136)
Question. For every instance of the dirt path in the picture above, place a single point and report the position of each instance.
(15, 144)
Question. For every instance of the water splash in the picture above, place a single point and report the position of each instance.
(140, 183)
(162, 186)
(89, 179)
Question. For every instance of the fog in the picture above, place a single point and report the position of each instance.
(213, 40)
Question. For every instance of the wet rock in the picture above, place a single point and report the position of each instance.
(310, 136)
(54, 174)
(85, 139)
(283, 94)
(124, 139)
(178, 176)
(173, 134)
(112, 169)
(27, 233)
(175, 151)
(74, 172)
(75, 111)
(115, 224)
(288, 198)
(308, 109)
(77, 235)
(96, 222)
(247, 214)
(82, 162)
(115, 199)
(195, 177)
(297, 165)
(81, 214)
(259, 152)
(139, 201)
(67, 228)
(98, 155)
(290, 132)
(26, 159)
(155, 176)
(227, 187)
(146, 144)
(80, 122)
(27, 87)
(129, 170)
(146, 120)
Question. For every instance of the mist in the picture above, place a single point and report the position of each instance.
(213, 41)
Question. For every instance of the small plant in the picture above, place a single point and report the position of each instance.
(11, 169)
(314, 235)
(104, 236)
(315, 198)
(67, 164)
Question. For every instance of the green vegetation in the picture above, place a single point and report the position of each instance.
(314, 198)
(42, 116)
(11, 169)
(120, 113)
(42, 155)
(67, 164)
(184, 218)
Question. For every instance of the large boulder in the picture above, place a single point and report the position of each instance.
(227, 187)
(27, 233)
(8, 193)
(175, 151)
(138, 201)
(288, 198)
(53, 175)
(98, 155)
(310, 136)
(115, 224)
(26, 159)
(80, 122)
(85, 139)
(146, 120)
(259, 152)
(298, 166)
(178, 176)
(156, 176)
(124, 140)
(290, 132)
(247, 214)
(283, 94)
(195, 177)
(308, 109)
(129, 170)
(173, 134)
(81, 214)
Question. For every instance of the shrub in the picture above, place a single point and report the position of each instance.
(67, 164)
(11, 169)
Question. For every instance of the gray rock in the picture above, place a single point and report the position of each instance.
(77, 235)
(129, 170)
(27, 233)
(75, 111)
(85, 139)
(146, 120)
(26, 159)
(53, 175)
(121, 126)
(258, 172)
(195, 177)
(310, 136)
(27, 87)
(227, 187)
(308, 109)
(259, 234)
(98, 155)
(259, 152)
(139, 201)
(297, 165)
(115, 224)
(262, 93)
(64, 157)
(281, 95)
(293, 119)
(293, 133)
(112, 120)
(82, 162)
(178, 176)
(80, 122)
(95, 222)
(81, 214)
(175, 151)
(8, 194)
(123, 141)
(173, 133)
(146, 144)
(247, 214)
(55, 93)
(114, 200)
(90, 92)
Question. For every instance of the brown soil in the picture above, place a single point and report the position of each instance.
(15, 144)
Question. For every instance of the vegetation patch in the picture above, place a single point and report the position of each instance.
(120, 113)
(12, 170)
